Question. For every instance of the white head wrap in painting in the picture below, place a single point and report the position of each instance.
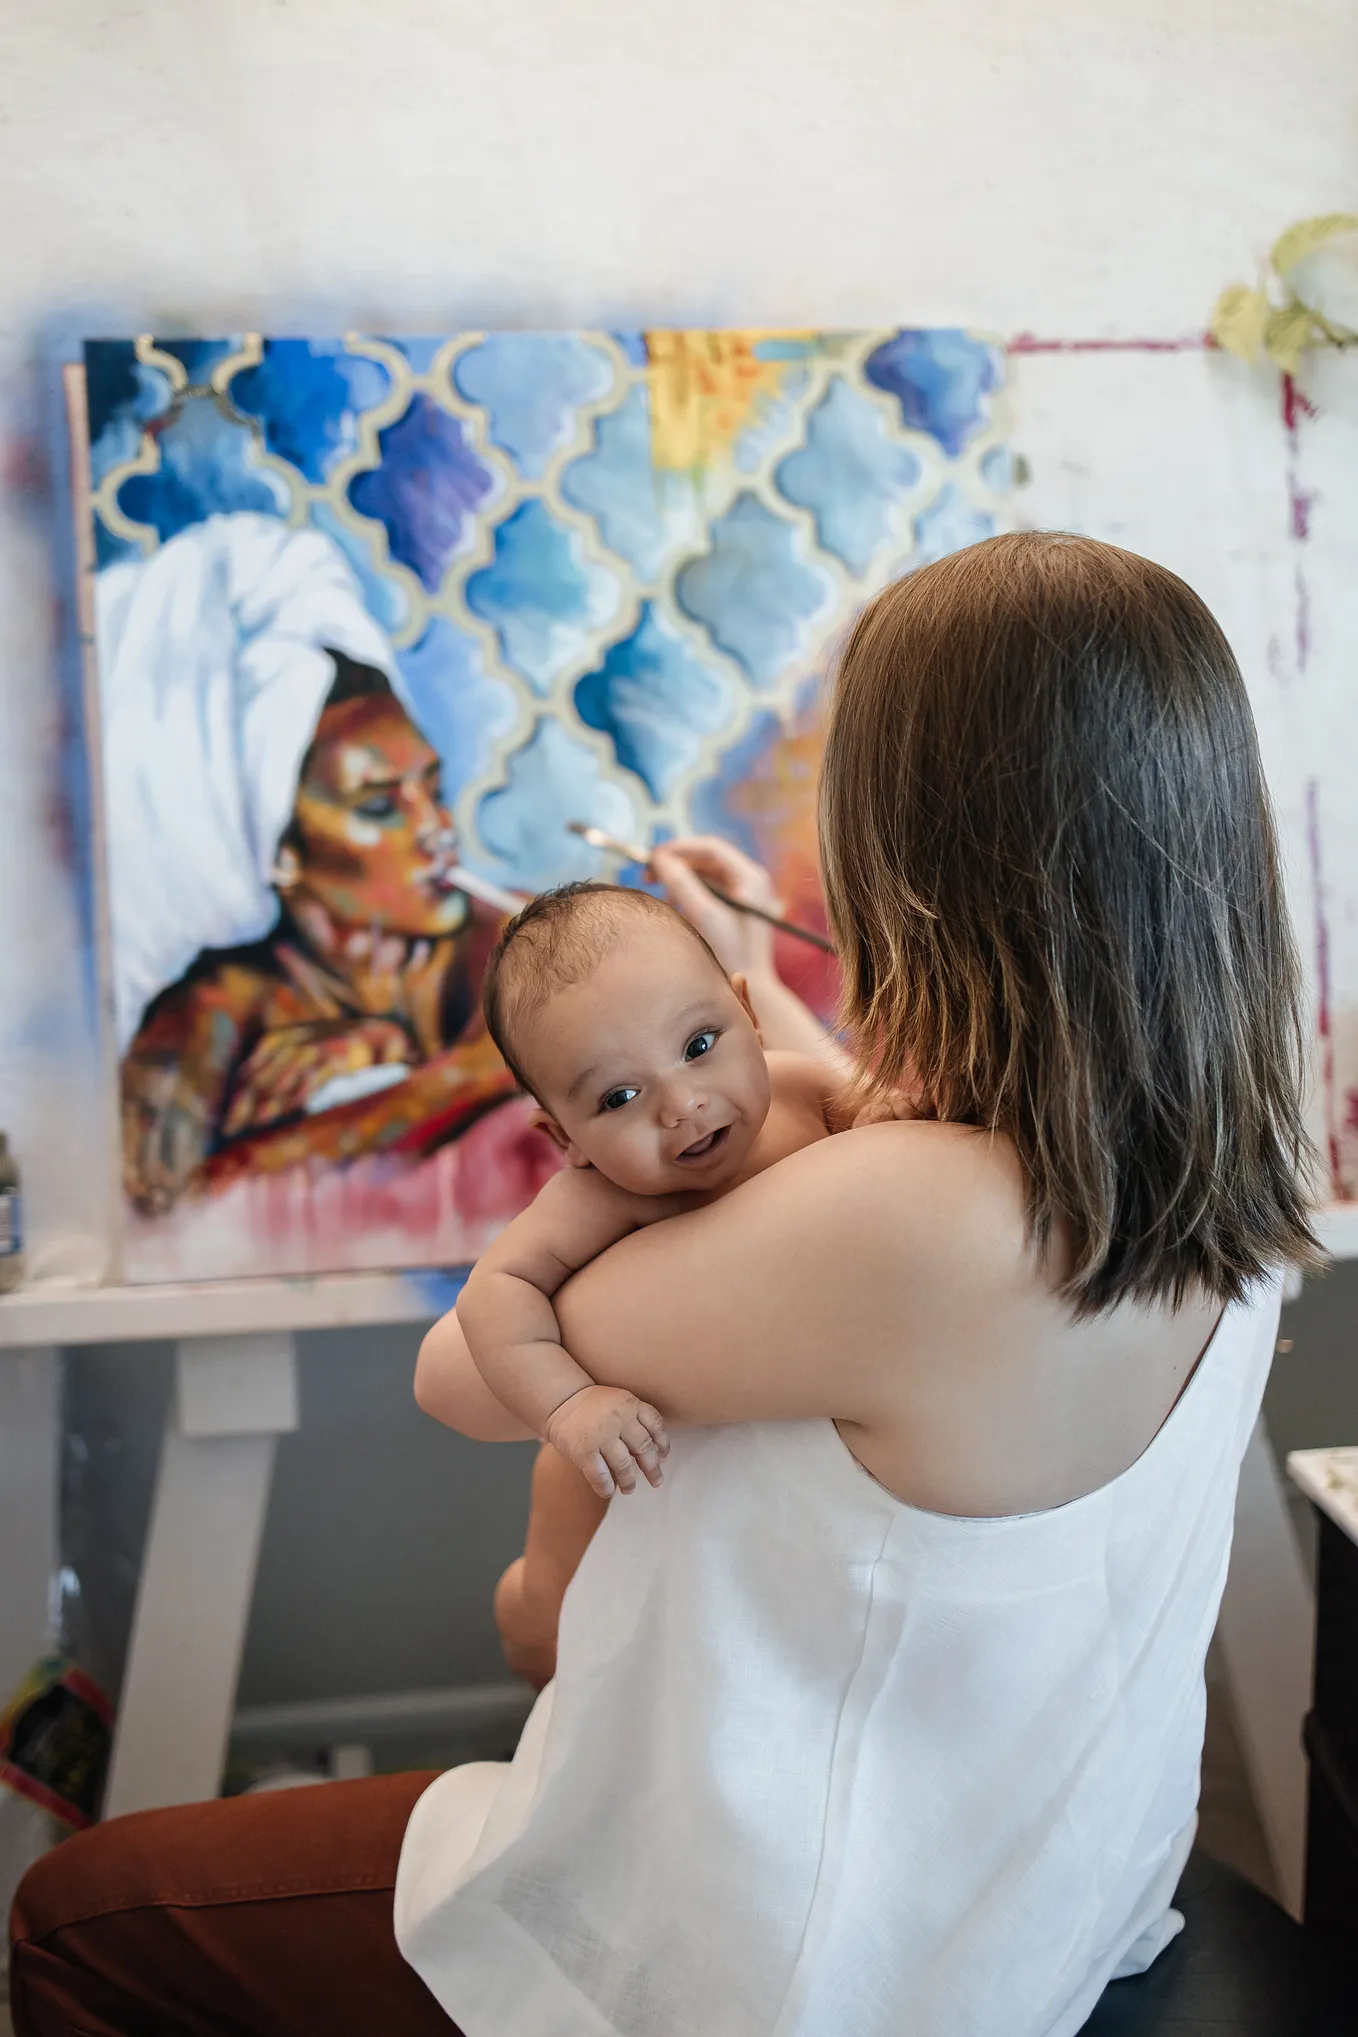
(212, 676)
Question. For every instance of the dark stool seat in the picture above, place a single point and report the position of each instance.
(1239, 1968)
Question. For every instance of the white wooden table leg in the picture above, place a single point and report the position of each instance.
(1267, 1636)
(30, 1450)
(30, 1464)
(234, 1397)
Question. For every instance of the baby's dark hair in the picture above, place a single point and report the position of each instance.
(558, 938)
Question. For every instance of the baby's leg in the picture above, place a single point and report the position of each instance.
(563, 1515)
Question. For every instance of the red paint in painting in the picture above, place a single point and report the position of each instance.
(442, 1211)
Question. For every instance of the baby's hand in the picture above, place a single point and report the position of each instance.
(606, 1433)
(882, 1110)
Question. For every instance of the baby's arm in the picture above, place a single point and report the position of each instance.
(507, 1317)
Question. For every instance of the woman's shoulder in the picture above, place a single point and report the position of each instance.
(914, 1184)
(824, 1286)
(910, 1224)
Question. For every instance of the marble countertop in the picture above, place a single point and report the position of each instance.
(1330, 1478)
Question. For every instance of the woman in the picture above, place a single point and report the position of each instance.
(289, 940)
(885, 1712)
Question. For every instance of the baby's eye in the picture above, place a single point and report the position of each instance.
(616, 1098)
(379, 806)
(700, 1044)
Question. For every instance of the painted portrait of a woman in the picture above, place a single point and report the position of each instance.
(296, 973)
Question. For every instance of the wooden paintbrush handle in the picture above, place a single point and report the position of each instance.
(784, 926)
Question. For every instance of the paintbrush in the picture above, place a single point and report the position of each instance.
(632, 852)
(458, 879)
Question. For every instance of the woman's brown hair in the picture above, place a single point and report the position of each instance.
(1052, 872)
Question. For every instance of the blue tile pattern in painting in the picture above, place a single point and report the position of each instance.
(611, 565)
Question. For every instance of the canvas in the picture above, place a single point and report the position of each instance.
(373, 621)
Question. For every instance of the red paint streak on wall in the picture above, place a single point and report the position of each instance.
(1029, 343)
(1324, 1022)
(1295, 407)
(1296, 404)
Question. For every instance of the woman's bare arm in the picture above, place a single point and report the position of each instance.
(791, 1297)
(449, 1387)
(882, 1279)
(740, 1311)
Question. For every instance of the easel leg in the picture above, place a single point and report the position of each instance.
(30, 1451)
(234, 1397)
(30, 1465)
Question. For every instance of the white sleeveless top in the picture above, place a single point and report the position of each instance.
(819, 1764)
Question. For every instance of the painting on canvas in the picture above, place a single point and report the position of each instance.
(373, 621)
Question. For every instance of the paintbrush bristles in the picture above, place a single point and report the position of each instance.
(597, 839)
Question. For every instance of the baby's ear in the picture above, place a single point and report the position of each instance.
(561, 1139)
(740, 985)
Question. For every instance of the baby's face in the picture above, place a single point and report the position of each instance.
(651, 1070)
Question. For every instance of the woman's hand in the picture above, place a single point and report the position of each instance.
(742, 944)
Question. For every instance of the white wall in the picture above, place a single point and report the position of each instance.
(1057, 165)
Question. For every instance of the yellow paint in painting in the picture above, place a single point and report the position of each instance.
(778, 797)
(706, 388)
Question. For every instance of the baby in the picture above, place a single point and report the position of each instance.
(646, 1064)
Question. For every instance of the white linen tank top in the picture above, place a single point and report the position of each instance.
(819, 1764)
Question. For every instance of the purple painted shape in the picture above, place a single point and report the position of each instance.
(941, 377)
(427, 489)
